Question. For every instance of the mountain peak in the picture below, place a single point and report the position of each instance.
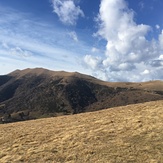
(49, 73)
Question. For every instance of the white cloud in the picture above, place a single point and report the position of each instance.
(20, 52)
(4, 45)
(145, 72)
(157, 26)
(128, 51)
(93, 62)
(141, 4)
(67, 11)
(43, 46)
(95, 50)
(161, 57)
(161, 40)
(73, 35)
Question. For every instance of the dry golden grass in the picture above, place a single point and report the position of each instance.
(132, 134)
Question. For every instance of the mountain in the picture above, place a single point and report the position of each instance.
(126, 134)
(35, 93)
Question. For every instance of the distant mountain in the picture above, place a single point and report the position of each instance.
(35, 93)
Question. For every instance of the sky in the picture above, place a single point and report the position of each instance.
(113, 40)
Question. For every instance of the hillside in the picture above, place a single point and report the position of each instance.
(36, 93)
(132, 133)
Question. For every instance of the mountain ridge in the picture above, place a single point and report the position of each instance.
(43, 93)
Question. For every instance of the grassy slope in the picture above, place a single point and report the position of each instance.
(131, 134)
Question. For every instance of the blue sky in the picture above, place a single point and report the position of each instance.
(114, 40)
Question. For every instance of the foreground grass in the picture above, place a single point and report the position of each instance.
(132, 134)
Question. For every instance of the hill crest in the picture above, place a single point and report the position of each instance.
(43, 93)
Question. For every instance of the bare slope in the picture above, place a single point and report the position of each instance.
(35, 93)
(132, 133)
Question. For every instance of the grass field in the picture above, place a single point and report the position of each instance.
(130, 134)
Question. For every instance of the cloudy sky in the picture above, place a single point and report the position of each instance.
(114, 40)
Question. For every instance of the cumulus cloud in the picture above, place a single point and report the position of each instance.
(145, 72)
(67, 11)
(93, 62)
(129, 54)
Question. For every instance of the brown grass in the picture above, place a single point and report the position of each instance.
(132, 134)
